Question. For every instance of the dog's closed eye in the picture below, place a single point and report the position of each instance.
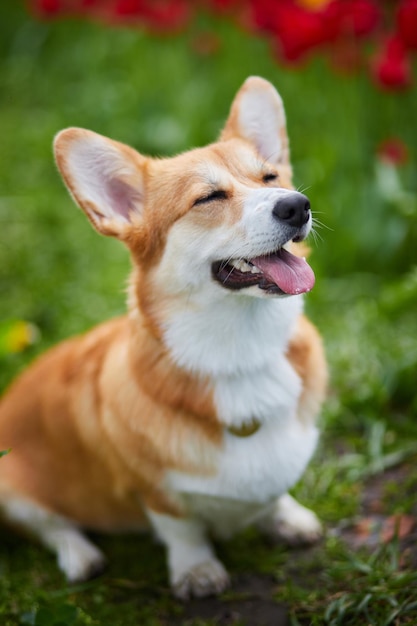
(217, 194)
(267, 178)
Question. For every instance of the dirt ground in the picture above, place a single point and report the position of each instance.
(253, 605)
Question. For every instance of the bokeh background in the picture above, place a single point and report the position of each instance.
(160, 76)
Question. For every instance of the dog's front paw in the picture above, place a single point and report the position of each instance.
(204, 579)
(292, 523)
(305, 529)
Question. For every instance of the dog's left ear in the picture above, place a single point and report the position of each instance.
(105, 178)
(257, 115)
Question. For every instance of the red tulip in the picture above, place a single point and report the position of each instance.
(264, 14)
(298, 31)
(167, 14)
(407, 23)
(353, 17)
(49, 7)
(392, 67)
(127, 8)
(393, 150)
(158, 14)
(296, 26)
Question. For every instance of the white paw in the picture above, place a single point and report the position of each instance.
(78, 558)
(292, 523)
(204, 579)
(304, 529)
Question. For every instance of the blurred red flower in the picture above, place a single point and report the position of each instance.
(127, 8)
(264, 14)
(48, 7)
(393, 150)
(342, 28)
(407, 23)
(160, 15)
(298, 31)
(356, 18)
(391, 67)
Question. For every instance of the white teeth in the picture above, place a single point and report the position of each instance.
(245, 267)
(241, 265)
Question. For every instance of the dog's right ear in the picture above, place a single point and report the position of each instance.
(257, 115)
(105, 178)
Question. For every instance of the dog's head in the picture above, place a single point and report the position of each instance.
(220, 218)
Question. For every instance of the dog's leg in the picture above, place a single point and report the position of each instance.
(77, 557)
(193, 567)
(291, 522)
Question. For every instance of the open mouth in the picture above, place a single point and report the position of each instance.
(277, 273)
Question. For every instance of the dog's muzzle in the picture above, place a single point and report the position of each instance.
(279, 272)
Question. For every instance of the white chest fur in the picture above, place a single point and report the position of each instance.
(255, 469)
(218, 335)
(242, 350)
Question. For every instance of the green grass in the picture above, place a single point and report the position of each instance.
(357, 589)
(161, 96)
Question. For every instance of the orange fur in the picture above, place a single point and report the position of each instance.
(81, 434)
(306, 355)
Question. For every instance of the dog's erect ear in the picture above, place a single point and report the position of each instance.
(257, 115)
(106, 179)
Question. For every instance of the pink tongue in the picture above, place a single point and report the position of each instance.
(290, 273)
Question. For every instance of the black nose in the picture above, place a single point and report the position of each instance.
(293, 209)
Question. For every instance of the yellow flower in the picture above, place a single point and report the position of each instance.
(16, 335)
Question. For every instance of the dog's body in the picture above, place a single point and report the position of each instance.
(196, 411)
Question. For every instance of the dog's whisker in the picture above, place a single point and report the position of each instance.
(227, 261)
(317, 237)
(302, 189)
(319, 224)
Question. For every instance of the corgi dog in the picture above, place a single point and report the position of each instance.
(194, 414)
